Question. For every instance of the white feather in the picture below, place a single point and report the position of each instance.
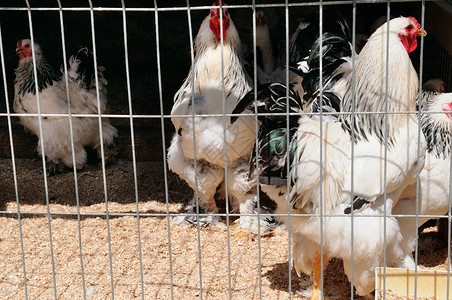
(379, 166)
(56, 134)
(434, 180)
(368, 175)
(215, 84)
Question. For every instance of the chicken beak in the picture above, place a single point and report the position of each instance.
(18, 50)
(422, 32)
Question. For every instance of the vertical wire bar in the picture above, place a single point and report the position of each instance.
(449, 232)
(322, 263)
(159, 76)
(77, 199)
(13, 161)
(223, 98)
(165, 167)
(192, 54)
(418, 167)
(352, 150)
(286, 8)
(104, 177)
(46, 188)
(132, 141)
(257, 153)
(448, 213)
(385, 164)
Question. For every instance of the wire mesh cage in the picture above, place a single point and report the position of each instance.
(132, 206)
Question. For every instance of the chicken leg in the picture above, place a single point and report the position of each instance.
(316, 277)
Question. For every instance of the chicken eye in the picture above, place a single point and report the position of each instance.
(27, 46)
(409, 27)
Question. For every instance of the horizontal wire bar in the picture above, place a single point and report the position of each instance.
(165, 9)
(131, 116)
(134, 214)
(215, 115)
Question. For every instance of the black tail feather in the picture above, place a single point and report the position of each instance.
(86, 67)
(331, 102)
(275, 142)
(247, 101)
(334, 50)
(271, 98)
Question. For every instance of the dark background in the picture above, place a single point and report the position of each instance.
(174, 56)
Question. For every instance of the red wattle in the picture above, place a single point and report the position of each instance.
(215, 27)
(409, 42)
(447, 107)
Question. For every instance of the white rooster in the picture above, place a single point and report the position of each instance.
(215, 76)
(323, 181)
(434, 178)
(56, 136)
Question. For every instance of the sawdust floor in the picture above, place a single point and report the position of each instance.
(99, 240)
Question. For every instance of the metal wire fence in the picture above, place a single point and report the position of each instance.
(27, 278)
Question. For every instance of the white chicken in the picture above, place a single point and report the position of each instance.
(430, 88)
(265, 48)
(435, 85)
(279, 73)
(197, 150)
(434, 178)
(381, 148)
(56, 135)
(265, 59)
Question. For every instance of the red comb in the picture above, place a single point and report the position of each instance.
(217, 3)
(415, 21)
(19, 43)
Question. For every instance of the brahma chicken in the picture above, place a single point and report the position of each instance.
(430, 89)
(279, 73)
(381, 148)
(56, 134)
(197, 150)
(434, 178)
(266, 60)
(436, 86)
(264, 43)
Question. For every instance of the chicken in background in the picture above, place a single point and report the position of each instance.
(336, 54)
(271, 68)
(202, 143)
(321, 182)
(56, 134)
(430, 89)
(434, 179)
(280, 73)
(435, 85)
(362, 35)
(266, 60)
(304, 61)
(360, 41)
(300, 51)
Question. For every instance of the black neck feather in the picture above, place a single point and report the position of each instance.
(26, 80)
(437, 135)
